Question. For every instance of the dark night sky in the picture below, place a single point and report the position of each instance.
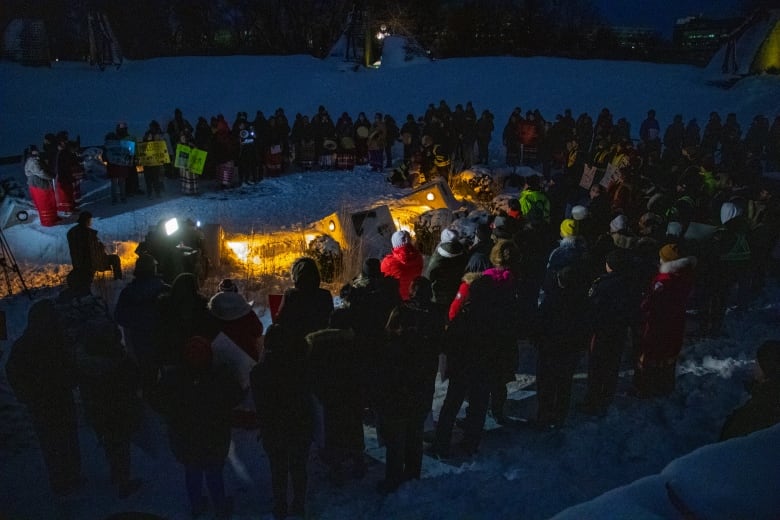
(661, 14)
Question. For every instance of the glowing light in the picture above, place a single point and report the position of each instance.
(240, 249)
(332, 226)
(430, 196)
(171, 226)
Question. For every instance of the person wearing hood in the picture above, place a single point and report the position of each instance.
(663, 323)
(305, 307)
(404, 263)
(43, 375)
(726, 264)
(236, 319)
(762, 410)
(446, 267)
(137, 313)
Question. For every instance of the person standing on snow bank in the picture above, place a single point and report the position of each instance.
(41, 189)
(763, 408)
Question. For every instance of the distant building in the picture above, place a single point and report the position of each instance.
(635, 38)
(698, 38)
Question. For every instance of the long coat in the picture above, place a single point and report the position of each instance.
(663, 311)
(198, 407)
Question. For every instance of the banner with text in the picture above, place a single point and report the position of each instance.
(152, 153)
(119, 152)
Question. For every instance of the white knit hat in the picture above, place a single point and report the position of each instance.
(674, 229)
(618, 223)
(400, 238)
(728, 211)
(579, 212)
(449, 235)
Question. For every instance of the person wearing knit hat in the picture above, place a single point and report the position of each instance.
(669, 253)
(619, 223)
(400, 238)
(760, 411)
(569, 228)
(449, 235)
(404, 262)
(237, 321)
(579, 212)
(446, 267)
(730, 263)
(729, 211)
(663, 323)
(571, 250)
(227, 285)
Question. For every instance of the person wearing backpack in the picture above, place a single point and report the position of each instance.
(43, 375)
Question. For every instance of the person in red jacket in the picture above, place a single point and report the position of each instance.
(404, 263)
(663, 323)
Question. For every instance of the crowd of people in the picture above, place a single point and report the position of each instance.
(667, 225)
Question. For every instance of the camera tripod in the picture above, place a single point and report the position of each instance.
(8, 265)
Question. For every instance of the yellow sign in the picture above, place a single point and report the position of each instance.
(152, 153)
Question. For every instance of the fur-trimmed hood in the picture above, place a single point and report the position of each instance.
(675, 266)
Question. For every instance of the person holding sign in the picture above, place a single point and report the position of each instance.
(119, 153)
(189, 161)
(153, 154)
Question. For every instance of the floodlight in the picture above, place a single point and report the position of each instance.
(171, 226)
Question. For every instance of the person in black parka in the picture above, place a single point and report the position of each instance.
(409, 359)
(281, 385)
(43, 376)
(196, 398)
(561, 335)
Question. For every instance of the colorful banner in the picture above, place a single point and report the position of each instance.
(152, 153)
(119, 152)
(193, 159)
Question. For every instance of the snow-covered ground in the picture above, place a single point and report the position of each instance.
(519, 473)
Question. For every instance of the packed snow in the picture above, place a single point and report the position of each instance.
(617, 466)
